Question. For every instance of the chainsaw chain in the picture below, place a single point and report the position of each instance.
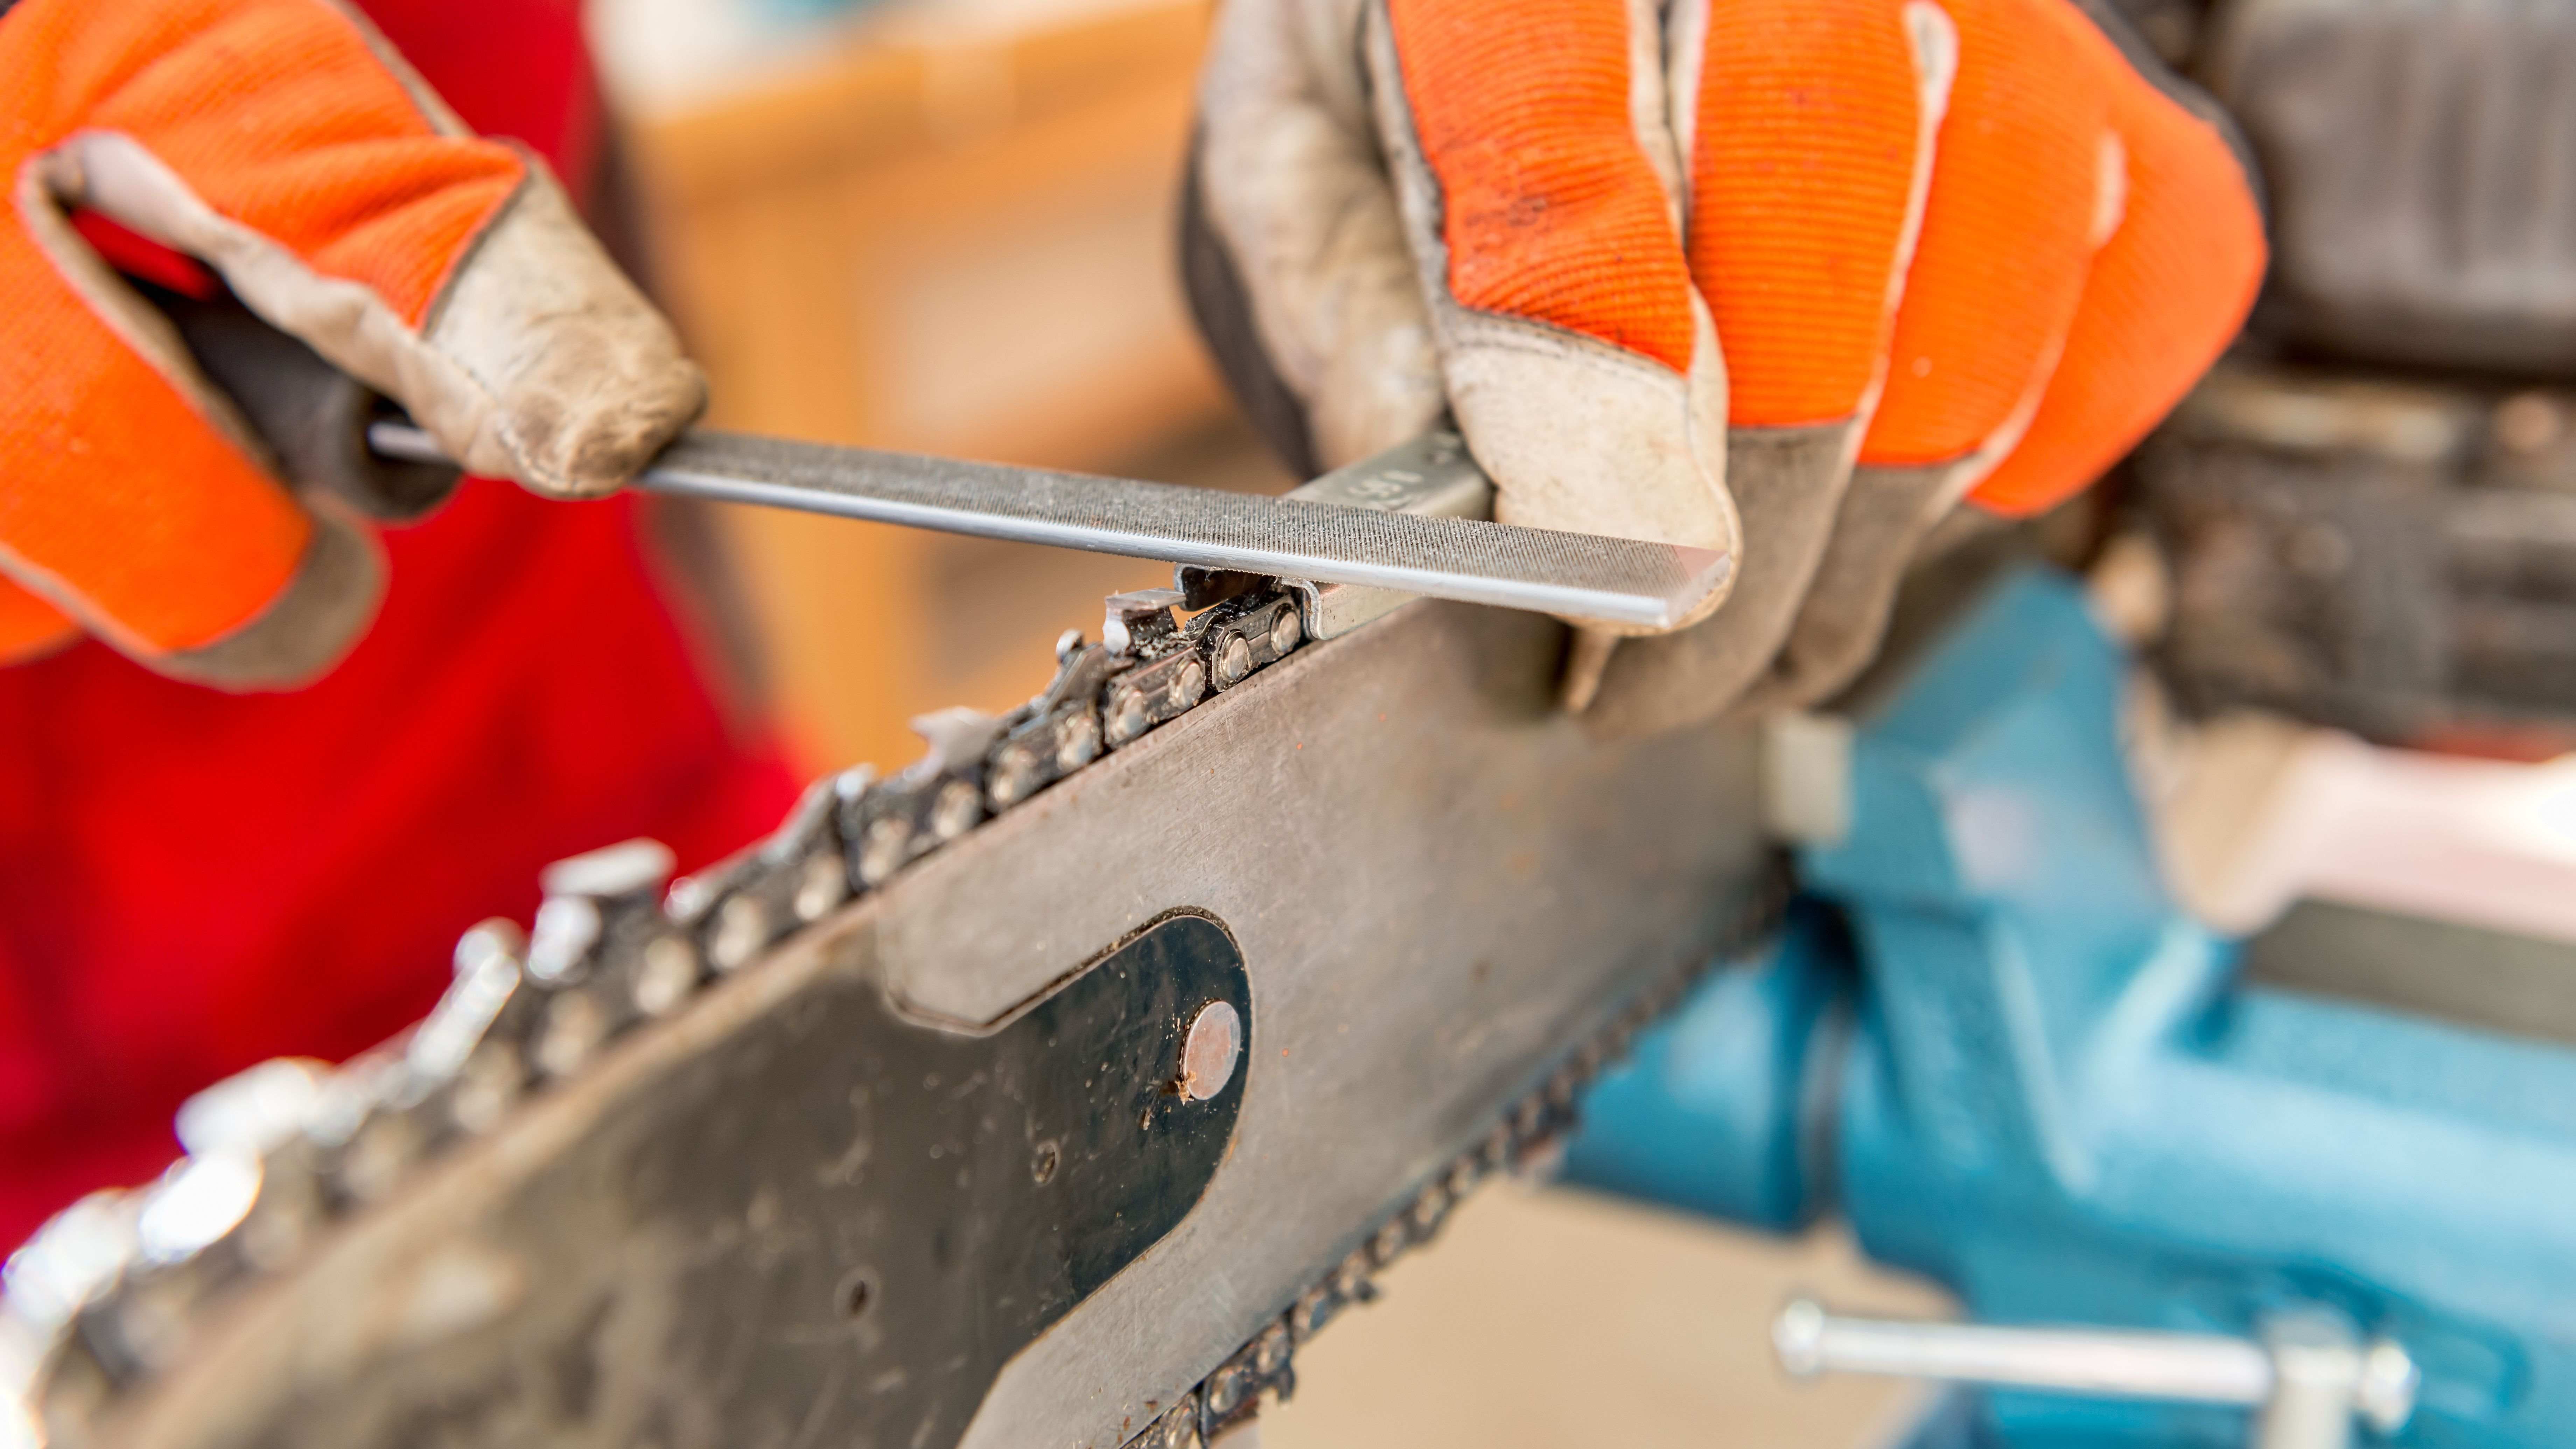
(110, 1291)
(1526, 1140)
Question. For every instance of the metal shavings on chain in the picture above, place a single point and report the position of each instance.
(108, 1292)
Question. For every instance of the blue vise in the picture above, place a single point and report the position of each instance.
(1993, 1043)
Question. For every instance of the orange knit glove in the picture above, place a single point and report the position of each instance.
(1674, 268)
(282, 144)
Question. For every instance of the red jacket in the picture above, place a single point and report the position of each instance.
(192, 881)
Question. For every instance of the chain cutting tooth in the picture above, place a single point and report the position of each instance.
(933, 801)
(1178, 1428)
(1233, 1392)
(1315, 1307)
(724, 909)
(1054, 734)
(802, 863)
(1389, 1241)
(477, 1041)
(724, 917)
(604, 954)
(1168, 674)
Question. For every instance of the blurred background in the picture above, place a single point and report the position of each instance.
(947, 226)
(942, 226)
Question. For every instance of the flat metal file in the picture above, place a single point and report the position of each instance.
(1609, 580)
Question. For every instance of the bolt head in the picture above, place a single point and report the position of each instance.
(486, 1088)
(883, 852)
(1077, 741)
(1226, 1389)
(1014, 776)
(1210, 1050)
(663, 978)
(1127, 717)
(385, 1145)
(1233, 662)
(1389, 1242)
(742, 928)
(956, 810)
(575, 1028)
(821, 885)
(1287, 631)
(1189, 684)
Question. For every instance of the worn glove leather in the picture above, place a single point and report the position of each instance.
(1676, 268)
(284, 146)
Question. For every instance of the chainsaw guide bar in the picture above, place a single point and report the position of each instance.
(898, 1128)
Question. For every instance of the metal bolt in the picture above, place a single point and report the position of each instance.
(1389, 1242)
(1233, 661)
(824, 885)
(1127, 716)
(1178, 1429)
(663, 979)
(1077, 740)
(955, 811)
(375, 1158)
(742, 928)
(1014, 776)
(1214, 1045)
(486, 1088)
(888, 844)
(1227, 1388)
(575, 1026)
(1351, 1280)
(1287, 631)
(1189, 685)
(1462, 1176)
